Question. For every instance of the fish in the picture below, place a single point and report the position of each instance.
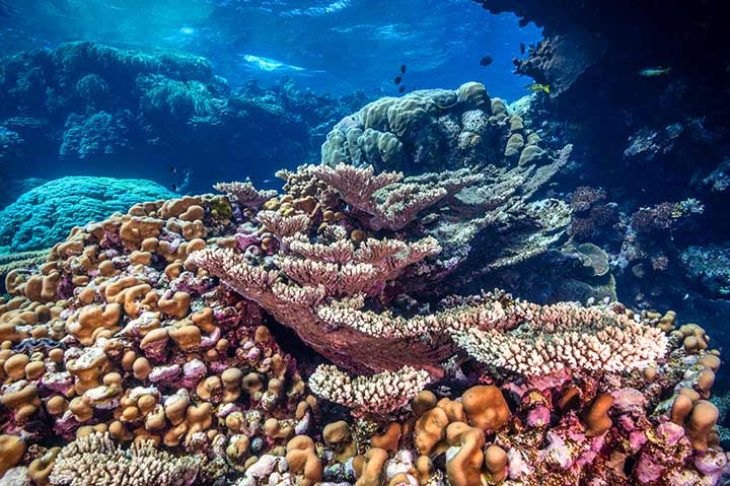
(398, 79)
(522, 48)
(401, 89)
(523, 22)
(486, 61)
(402, 68)
(539, 87)
(653, 72)
(172, 169)
(173, 187)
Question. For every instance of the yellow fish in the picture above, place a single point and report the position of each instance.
(653, 72)
(537, 87)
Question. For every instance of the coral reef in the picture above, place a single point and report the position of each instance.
(45, 214)
(86, 102)
(156, 346)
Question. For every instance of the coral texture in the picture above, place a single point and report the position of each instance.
(45, 215)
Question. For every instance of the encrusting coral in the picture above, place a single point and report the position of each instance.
(150, 345)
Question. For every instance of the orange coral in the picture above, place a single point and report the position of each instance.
(485, 407)
(302, 459)
(596, 416)
(463, 465)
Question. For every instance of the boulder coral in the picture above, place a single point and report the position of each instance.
(46, 214)
(432, 130)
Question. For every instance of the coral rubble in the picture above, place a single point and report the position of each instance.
(154, 347)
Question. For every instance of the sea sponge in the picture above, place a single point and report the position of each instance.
(465, 457)
(485, 407)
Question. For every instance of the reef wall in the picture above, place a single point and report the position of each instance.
(640, 89)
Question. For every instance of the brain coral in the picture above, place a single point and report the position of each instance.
(44, 215)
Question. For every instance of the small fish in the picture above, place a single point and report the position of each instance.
(267, 181)
(402, 68)
(523, 22)
(173, 187)
(398, 79)
(401, 89)
(173, 169)
(522, 48)
(654, 72)
(486, 61)
(539, 87)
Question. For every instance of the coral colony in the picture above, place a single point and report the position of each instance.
(310, 337)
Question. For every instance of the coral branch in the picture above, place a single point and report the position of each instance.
(244, 193)
(566, 336)
(377, 394)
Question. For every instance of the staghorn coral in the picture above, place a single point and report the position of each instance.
(96, 458)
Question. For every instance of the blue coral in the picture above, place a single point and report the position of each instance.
(45, 215)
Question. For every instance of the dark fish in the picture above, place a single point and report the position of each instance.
(174, 187)
(522, 48)
(398, 79)
(523, 22)
(403, 68)
(401, 89)
(486, 61)
(172, 169)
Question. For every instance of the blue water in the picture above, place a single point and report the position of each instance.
(335, 46)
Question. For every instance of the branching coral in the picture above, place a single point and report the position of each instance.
(244, 193)
(390, 203)
(96, 458)
(376, 394)
(566, 336)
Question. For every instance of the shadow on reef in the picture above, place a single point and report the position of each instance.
(128, 113)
